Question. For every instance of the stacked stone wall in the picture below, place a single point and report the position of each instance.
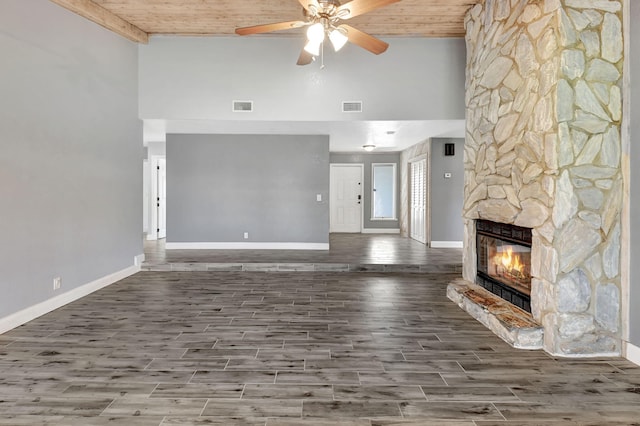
(542, 151)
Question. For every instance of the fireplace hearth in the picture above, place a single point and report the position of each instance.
(504, 261)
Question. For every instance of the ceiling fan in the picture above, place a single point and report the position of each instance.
(323, 19)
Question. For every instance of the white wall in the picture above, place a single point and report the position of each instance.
(198, 78)
(71, 162)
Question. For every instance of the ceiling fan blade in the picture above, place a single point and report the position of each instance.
(359, 7)
(267, 28)
(305, 58)
(308, 4)
(364, 40)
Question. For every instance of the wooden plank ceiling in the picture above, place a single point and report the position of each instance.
(138, 19)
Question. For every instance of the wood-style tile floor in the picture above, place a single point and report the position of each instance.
(296, 348)
(348, 252)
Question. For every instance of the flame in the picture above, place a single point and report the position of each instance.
(509, 261)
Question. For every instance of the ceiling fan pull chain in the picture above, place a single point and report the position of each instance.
(322, 56)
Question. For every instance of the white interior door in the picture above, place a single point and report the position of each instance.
(346, 198)
(418, 224)
(162, 197)
(146, 194)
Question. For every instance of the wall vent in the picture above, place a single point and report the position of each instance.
(242, 106)
(352, 106)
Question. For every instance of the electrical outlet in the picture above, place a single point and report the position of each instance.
(57, 282)
(246, 235)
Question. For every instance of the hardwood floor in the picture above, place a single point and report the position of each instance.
(292, 348)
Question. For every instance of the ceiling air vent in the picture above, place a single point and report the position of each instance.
(352, 106)
(242, 106)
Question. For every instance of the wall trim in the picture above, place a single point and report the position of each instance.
(139, 259)
(380, 230)
(625, 249)
(446, 244)
(29, 314)
(246, 246)
(632, 353)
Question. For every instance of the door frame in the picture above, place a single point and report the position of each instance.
(427, 196)
(152, 233)
(361, 166)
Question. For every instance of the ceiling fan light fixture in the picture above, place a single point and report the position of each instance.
(338, 38)
(312, 10)
(343, 13)
(315, 33)
(322, 17)
(368, 147)
(313, 48)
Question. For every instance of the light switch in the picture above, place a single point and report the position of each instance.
(319, 197)
(447, 175)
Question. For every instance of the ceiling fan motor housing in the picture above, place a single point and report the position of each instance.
(328, 10)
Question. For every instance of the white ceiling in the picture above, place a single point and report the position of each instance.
(344, 136)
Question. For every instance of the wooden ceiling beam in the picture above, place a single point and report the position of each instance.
(101, 16)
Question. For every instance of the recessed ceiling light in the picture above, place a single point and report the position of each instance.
(368, 147)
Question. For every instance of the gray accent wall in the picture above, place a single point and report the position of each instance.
(221, 186)
(71, 153)
(199, 77)
(368, 160)
(634, 58)
(447, 193)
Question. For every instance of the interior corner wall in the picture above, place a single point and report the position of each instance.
(221, 186)
(71, 162)
(447, 194)
(367, 160)
(634, 58)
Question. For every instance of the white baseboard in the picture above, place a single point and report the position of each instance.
(246, 246)
(632, 353)
(446, 244)
(24, 316)
(380, 231)
(139, 259)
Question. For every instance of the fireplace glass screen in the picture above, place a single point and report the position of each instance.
(504, 261)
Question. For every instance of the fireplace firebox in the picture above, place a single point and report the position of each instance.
(504, 261)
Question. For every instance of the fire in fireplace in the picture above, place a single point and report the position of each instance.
(504, 261)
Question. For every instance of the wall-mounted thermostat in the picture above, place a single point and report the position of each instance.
(449, 149)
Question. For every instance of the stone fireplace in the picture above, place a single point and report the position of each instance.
(543, 152)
